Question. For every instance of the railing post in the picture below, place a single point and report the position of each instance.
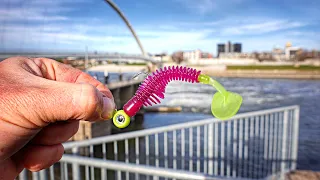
(235, 144)
(23, 175)
(295, 138)
(216, 149)
(191, 149)
(35, 175)
(228, 161)
(174, 149)
(240, 149)
(284, 143)
(205, 145)
(75, 166)
(222, 148)
(210, 149)
(245, 148)
(43, 175)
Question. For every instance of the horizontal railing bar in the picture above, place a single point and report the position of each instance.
(134, 168)
(141, 133)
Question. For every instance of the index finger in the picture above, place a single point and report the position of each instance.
(54, 70)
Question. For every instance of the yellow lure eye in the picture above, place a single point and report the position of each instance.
(121, 119)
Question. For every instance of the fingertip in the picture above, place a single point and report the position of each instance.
(108, 108)
(105, 90)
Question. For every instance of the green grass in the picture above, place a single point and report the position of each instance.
(282, 67)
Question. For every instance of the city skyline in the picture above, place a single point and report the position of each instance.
(163, 26)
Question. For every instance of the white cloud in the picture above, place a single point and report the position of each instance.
(37, 10)
(79, 35)
(51, 29)
(202, 24)
(201, 6)
(206, 6)
(45, 3)
(267, 43)
(245, 25)
(263, 27)
(27, 14)
(110, 37)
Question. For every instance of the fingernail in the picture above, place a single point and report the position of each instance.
(108, 108)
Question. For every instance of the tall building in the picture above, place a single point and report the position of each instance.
(229, 48)
(221, 49)
(237, 47)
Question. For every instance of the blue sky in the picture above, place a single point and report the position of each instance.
(162, 25)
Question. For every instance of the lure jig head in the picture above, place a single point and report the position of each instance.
(224, 104)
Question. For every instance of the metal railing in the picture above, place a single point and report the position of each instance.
(254, 145)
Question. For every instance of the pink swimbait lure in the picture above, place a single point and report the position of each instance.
(153, 87)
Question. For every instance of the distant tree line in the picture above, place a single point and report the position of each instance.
(177, 57)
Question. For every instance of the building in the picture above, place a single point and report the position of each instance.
(229, 48)
(288, 53)
(206, 55)
(236, 55)
(192, 56)
(291, 52)
(162, 57)
(221, 49)
(237, 47)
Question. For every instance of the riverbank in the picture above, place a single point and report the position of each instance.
(274, 67)
(262, 73)
(311, 73)
(265, 74)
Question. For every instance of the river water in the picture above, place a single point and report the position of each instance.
(258, 94)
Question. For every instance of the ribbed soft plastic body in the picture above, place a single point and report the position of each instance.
(153, 87)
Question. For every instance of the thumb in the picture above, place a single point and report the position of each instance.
(53, 101)
(92, 104)
(68, 101)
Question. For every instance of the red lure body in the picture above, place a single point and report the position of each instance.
(153, 87)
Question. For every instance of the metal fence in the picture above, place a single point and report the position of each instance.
(254, 145)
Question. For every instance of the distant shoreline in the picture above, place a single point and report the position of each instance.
(265, 74)
(277, 73)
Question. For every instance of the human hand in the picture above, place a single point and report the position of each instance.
(41, 103)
